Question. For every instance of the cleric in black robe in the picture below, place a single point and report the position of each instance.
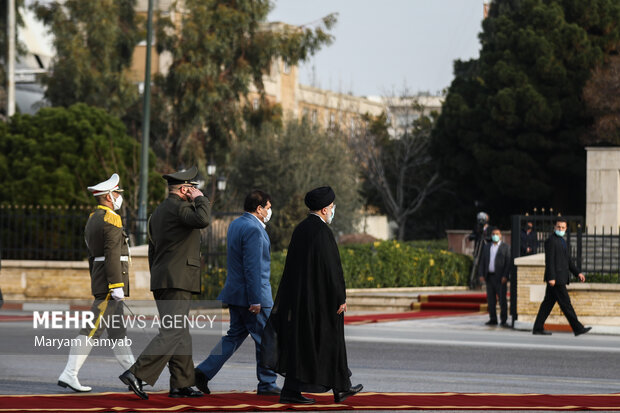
(304, 336)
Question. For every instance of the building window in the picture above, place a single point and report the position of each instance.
(287, 68)
(314, 117)
(332, 119)
(255, 104)
(305, 112)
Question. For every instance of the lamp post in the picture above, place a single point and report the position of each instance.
(218, 183)
(146, 122)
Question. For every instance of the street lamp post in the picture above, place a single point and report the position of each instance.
(219, 182)
(144, 163)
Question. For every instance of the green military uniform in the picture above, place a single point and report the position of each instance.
(174, 261)
(109, 273)
(108, 262)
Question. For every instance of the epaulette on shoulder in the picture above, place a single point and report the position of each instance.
(113, 218)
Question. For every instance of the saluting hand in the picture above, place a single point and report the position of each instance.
(194, 193)
(342, 309)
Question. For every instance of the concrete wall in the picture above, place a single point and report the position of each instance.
(67, 280)
(603, 189)
(597, 305)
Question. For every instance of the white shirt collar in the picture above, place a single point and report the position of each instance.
(261, 222)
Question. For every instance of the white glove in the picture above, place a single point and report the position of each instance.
(118, 294)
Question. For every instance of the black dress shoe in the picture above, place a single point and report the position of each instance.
(583, 331)
(292, 397)
(541, 332)
(201, 381)
(274, 391)
(504, 324)
(490, 323)
(339, 396)
(184, 392)
(141, 385)
(134, 384)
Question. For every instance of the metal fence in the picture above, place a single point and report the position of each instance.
(33, 232)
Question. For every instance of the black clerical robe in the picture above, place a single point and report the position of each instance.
(304, 336)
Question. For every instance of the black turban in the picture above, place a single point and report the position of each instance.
(319, 198)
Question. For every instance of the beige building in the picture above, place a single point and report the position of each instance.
(323, 107)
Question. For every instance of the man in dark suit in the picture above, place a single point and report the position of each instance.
(174, 261)
(494, 270)
(558, 268)
(529, 239)
(247, 292)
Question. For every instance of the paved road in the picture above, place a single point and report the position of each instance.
(454, 354)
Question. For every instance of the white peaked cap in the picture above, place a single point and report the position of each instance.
(102, 188)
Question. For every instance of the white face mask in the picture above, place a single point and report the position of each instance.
(117, 202)
(330, 218)
(268, 217)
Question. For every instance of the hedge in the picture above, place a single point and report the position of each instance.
(376, 265)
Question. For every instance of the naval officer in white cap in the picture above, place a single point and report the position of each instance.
(108, 263)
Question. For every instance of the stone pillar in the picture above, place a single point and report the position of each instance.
(603, 189)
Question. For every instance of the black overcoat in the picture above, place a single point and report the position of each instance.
(304, 336)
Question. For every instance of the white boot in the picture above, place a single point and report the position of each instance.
(124, 356)
(77, 357)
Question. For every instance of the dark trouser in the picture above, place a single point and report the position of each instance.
(495, 289)
(559, 294)
(172, 346)
(110, 320)
(242, 324)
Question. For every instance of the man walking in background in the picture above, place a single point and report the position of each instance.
(247, 292)
(558, 268)
(494, 270)
(174, 261)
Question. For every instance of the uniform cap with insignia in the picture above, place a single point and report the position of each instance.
(186, 176)
(105, 187)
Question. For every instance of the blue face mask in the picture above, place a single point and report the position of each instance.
(559, 233)
(495, 238)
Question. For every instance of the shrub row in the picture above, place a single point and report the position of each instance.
(377, 265)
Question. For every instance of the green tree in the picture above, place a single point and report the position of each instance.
(509, 134)
(288, 164)
(51, 157)
(218, 51)
(94, 42)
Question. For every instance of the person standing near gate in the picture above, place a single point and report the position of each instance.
(174, 261)
(558, 268)
(494, 270)
(108, 263)
(247, 292)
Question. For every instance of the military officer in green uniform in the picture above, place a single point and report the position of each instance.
(174, 261)
(108, 263)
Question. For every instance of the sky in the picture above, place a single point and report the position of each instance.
(383, 47)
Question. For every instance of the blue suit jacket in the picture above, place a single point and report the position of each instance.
(249, 264)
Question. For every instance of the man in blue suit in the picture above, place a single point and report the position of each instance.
(247, 292)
